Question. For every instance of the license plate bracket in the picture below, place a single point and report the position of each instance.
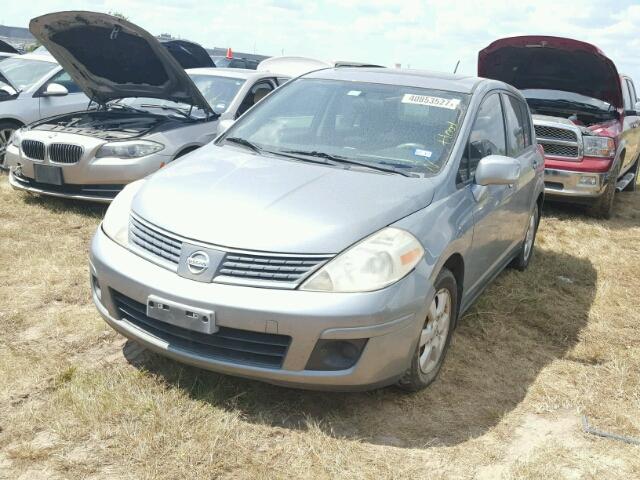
(47, 174)
(181, 315)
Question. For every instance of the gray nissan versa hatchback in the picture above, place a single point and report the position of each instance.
(333, 235)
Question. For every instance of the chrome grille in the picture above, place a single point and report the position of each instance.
(63, 153)
(560, 150)
(33, 149)
(154, 242)
(544, 131)
(286, 269)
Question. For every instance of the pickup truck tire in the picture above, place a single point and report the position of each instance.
(442, 315)
(521, 262)
(603, 206)
(633, 186)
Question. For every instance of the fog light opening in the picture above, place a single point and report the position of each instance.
(96, 287)
(588, 181)
(331, 355)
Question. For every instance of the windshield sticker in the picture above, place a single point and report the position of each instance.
(422, 153)
(354, 93)
(446, 137)
(428, 101)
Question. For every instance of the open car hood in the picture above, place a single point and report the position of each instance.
(553, 63)
(110, 58)
(6, 48)
(188, 54)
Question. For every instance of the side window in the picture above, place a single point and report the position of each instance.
(255, 94)
(65, 80)
(626, 97)
(517, 125)
(486, 138)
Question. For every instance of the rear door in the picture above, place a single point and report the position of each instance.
(631, 133)
(494, 234)
(520, 146)
(75, 100)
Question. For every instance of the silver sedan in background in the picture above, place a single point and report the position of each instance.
(333, 236)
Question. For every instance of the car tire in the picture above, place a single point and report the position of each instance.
(6, 130)
(603, 206)
(433, 341)
(521, 262)
(633, 186)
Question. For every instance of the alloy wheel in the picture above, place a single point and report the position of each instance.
(434, 333)
(531, 231)
(5, 135)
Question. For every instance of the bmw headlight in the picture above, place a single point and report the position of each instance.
(16, 138)
(374, 263)
(116, 221)
(599, 146)
(129, 149)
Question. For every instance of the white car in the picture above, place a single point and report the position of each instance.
(150, 111)
(34, 86)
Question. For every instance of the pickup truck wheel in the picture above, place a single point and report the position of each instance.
(633, 186)
(521, 262)
(603, 206)
(435, 335)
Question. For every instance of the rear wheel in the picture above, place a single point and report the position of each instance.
(603, 206)
(6, 130)
(521, 262)
(435, 335)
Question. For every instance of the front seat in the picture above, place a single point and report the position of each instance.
(260, 94)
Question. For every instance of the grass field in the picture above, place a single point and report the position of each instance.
(538, 350)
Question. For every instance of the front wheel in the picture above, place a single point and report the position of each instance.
(435, 335)
(603, 206)
(521, 262)
(6, 130)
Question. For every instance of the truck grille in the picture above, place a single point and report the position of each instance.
(544, 131)
(228, 344)
(559, 141)
(561, 150)
(63, 153)
(271, 268)
(154, 242)
(33, 149)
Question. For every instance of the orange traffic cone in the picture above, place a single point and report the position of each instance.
(229, 53)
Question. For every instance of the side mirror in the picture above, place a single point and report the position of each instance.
(55, 90)
(497, 170)
(225, 125)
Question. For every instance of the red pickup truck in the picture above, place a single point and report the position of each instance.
(586, 115)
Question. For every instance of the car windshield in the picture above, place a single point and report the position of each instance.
(393, 126)
(23, 73)
(217, 90)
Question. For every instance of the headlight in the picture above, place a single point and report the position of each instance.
(116, 221)
(16, 138)
(129, 149)
(599, 146)
(374, 263)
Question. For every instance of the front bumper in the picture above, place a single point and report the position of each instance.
(572, 185)
(90, 179)
(390, 320)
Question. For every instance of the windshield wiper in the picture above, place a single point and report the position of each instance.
(337, 159)
(244, 143)
(124, 106)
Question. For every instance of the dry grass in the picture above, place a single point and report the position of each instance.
(537, 351)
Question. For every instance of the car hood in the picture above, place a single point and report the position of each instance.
(7, 48)
(110, 58)
(188, 54)
(226, 197)
(554, 63)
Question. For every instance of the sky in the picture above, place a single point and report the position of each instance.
(425, 34)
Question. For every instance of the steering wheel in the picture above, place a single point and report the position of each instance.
(411, 145)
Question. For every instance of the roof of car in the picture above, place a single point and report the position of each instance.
(243, 73)
(397, 76)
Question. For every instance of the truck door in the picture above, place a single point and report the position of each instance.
(631, 127)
